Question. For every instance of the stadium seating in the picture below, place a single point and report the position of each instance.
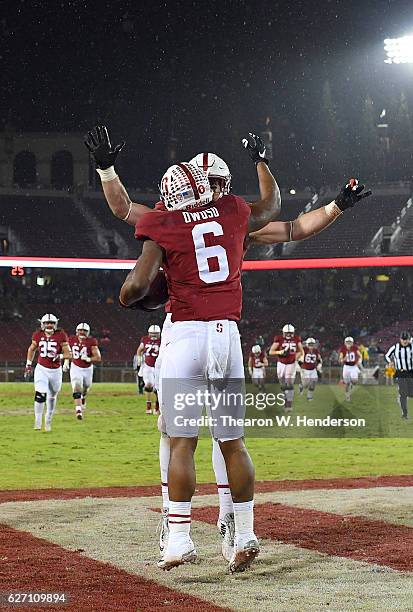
(351, 234)
(47, 226)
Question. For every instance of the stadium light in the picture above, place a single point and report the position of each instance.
(399, 50)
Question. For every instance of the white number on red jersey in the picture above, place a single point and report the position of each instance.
(351, 356)
(48, 348)
(79, 353)
(310, 358)
(203, 253)
(151, 350)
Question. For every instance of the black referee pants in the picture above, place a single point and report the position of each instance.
(405, 391)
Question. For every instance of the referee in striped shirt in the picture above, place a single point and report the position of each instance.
(401, 354)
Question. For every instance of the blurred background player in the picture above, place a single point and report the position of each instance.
(257, 363)
(148, 352)
(136, 364)
(288, 350)
(85, 353)
(50, 342)
(401, 355)
(389, 373)
(351, 360)
(310, 364)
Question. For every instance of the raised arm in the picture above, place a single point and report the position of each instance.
(268, 206)
(313, 222)
(140, 278)
(104, 155)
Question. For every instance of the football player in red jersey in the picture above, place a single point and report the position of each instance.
(50, 342)
(310, 364)
(257, 362)
(350, 358)
(148, 351)
(85, 352)
(288, 349)
(98, 143)
(200, 244)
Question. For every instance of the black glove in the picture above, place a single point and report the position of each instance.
(98, 143)
(351, 194)
(256, 150)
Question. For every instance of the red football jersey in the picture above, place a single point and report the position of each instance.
(204, 249)
(350, 355)
(82, 348)
(257, 360)
(311, 358)
(49, 347)
(290, 344)
(151, 351)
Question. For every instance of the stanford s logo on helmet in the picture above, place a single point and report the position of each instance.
(48, 321)
(184, 186)
(288, 330)
(215, 167)
(83, 329)
(154, 331)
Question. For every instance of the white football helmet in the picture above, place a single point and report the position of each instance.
(48, 322)
(310, 342)
(154, 331)
(256, 349)
(288, 330)
(84, 328)
(349, 341)
(215, 167)
(184, 186)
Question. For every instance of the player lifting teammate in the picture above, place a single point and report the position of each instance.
(85, 353)
(50, 342)
(202, 252)
(148, 351)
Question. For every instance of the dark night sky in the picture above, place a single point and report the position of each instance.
(211, 70)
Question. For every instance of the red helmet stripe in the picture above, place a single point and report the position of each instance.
(191, 180)
(205, 161)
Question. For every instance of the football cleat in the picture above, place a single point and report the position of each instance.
(245, 550)
(79, 415)
(164, 530)
(226, 528)
(178, 552)
(48, 427)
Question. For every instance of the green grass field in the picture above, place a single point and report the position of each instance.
(117, 443)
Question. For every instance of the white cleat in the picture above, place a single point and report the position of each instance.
(245, 550)
(164, 530)
(177, 553)
(226, 528)
(48, 427)
(37, 427)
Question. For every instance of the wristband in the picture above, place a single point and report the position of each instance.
(28, 362)
(108, 174)
(128, 213)
(332, 210)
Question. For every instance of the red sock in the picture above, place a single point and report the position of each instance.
(148, 405)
